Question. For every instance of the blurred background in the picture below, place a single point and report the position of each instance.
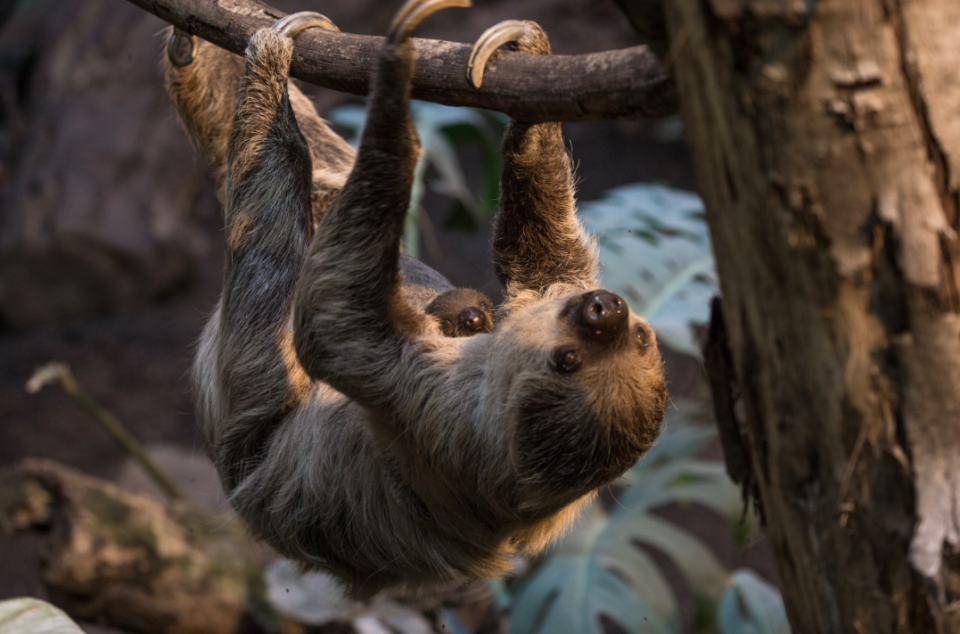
(111, 241)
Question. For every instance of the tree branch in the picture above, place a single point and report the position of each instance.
(622, 84)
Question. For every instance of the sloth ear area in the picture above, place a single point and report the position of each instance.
(523, 36)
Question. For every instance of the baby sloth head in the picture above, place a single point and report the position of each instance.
(462, 312)
(586, 393)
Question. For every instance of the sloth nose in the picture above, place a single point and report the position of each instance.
(472, 319)
(604, 315)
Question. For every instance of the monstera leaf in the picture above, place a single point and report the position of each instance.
(596, 574)
(752, 606)
(32, 616)
(602, 572)
(655, 252)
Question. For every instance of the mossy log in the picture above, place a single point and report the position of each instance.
(127, 561)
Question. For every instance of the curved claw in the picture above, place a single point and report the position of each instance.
(173, 46)
(413, 12)
(492, 39)
(295, 23)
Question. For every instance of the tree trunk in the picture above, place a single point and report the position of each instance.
(826, 136)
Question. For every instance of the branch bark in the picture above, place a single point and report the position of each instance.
(622, 84)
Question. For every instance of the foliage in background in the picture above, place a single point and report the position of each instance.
(655, 252)
(442, 130)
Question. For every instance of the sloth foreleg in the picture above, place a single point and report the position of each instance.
(351, 321)
(539, 246)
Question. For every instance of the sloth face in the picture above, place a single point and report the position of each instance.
(462, 312)
(585, 390)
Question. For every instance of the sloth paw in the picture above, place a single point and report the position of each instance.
(413, 12)
(520, 35)
(295, 23)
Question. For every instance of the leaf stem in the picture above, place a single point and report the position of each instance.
(59, 373)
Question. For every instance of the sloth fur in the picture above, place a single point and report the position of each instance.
(348, 431)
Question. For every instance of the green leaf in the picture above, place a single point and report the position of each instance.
(351, 117)
(655, 252)
(704, 574)
(460, 219)
(683, 482)
(751, 606)
(32, 616)
(595, 572)
(441, 129)
(451, 180)
(681, 443)
(470, 134)
(601, 571)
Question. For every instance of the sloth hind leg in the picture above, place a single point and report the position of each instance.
(204, 95)
(267, 220)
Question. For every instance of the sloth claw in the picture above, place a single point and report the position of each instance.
(413, 12)
(522, 35)
(173, 53)
(295, 23)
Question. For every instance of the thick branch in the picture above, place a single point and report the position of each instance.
(622, 84)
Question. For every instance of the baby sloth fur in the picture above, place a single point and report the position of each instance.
(348, 431)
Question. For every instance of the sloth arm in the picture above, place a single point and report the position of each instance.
(538, 241)
(204, 94)
(267, 220)
(351, 323)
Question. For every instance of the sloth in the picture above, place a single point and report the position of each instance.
(462, 312)
(349, 432)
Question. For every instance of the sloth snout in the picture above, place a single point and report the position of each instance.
(603, 316)
(473, 320)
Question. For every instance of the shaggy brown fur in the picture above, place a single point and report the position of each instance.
(204, 94)
(348, 431)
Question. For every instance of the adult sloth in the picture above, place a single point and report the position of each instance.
(348, 431)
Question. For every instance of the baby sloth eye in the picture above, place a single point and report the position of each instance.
(567, 359)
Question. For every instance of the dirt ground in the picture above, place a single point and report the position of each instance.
(135, 361)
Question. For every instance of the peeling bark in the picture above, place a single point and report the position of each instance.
(826, 137)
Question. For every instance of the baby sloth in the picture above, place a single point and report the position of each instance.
(463, 312)
(348, 431)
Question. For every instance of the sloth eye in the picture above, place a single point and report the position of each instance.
(642, 336)
(567, 359)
